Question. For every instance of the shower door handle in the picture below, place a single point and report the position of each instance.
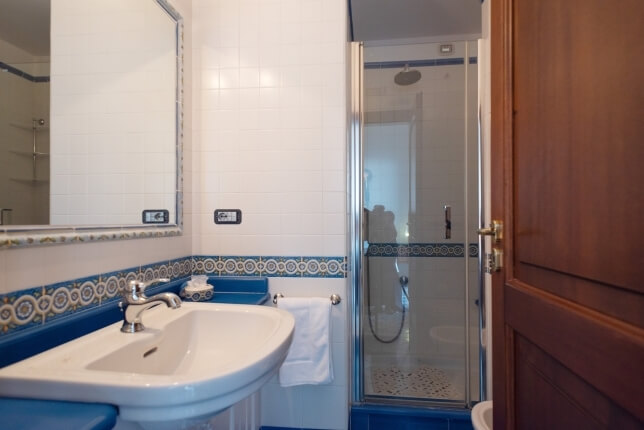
(448, 221)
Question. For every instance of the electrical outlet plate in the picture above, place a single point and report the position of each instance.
(228, 216)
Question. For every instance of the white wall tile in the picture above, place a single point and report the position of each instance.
(272, 145)
(281, 407)
(325, 407)
(229, 77)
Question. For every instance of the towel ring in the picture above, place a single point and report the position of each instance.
(335, 298)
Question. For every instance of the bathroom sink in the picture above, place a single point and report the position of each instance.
(192, 361)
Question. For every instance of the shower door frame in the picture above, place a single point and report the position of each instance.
(355, 167)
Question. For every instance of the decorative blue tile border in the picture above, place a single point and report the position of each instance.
(36, 306)
(303, 267)
(418, 63)
(421, 250)
(4, 67)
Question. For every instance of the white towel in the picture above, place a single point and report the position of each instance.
(309, 358)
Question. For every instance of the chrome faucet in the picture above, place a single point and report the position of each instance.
(135, 302)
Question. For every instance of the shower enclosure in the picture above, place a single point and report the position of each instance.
(415, 214)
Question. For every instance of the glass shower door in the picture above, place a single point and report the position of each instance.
(419, 292)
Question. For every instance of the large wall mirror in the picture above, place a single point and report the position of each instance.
(90, 120)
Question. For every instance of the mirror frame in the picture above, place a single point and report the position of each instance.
(33, 235)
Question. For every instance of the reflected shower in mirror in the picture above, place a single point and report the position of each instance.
(24, 112)
(88, 117)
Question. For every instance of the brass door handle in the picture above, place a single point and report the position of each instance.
(495, 229)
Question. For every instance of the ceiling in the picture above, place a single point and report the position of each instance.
(25, 24)
(382, 20)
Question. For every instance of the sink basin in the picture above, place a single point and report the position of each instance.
(192, 361)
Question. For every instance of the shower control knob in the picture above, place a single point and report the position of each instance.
(403, 280)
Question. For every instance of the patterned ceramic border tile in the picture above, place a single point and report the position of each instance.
(307, 267)
(9, 239)
(23, 309)
(421, 250)
(36, 306)
(418, 63)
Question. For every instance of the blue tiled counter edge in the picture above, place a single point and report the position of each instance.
(19, 414)
(24, 414)
(238, 290)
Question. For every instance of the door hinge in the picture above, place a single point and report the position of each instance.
(494, 261)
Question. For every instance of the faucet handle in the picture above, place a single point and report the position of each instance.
(154, 281)
(136, 288)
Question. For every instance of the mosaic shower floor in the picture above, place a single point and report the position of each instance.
(419, 382)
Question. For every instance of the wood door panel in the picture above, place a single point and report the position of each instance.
(606, 353)
(624, 305)
(551, 397)
(541, 405)
(575, 89)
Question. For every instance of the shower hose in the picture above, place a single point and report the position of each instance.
(403, 281)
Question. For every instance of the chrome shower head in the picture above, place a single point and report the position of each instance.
(407, 77)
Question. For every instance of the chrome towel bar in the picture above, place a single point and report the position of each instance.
(335, 299)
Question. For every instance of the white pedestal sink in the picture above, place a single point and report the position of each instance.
(189, 362)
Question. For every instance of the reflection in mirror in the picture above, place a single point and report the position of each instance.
(89, 125)
(24, 112)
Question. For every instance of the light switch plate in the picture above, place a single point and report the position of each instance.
(228, 216)
(155, 216)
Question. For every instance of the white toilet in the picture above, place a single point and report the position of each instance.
(482, 415)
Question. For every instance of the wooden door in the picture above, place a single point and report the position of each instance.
(568, 182)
